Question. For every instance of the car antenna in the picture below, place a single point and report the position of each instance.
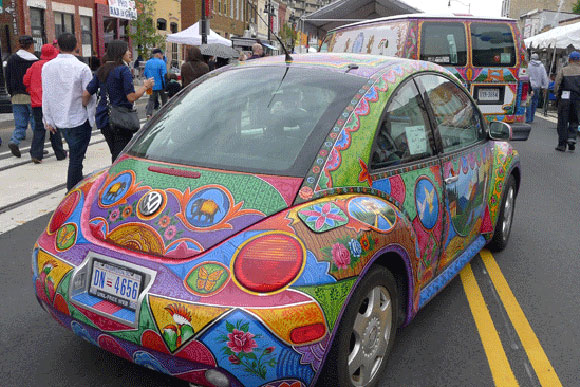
(288, 57)
(351, 66)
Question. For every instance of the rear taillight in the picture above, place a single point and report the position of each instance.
(268, 262)
(63, 211)
(525, 90)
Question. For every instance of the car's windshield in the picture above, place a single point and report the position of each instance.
(264, 120)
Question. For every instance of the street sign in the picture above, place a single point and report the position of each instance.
(9, 10)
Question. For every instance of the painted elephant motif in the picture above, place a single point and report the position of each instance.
(204, 209)
(114, 190)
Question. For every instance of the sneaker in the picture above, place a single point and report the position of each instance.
(64, 157)
(561, 148)
(36, 161)
(571, 146)
(14, 149)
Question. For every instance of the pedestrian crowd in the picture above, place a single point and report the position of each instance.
(61, 94)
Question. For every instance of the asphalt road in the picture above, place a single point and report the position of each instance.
(442, 346)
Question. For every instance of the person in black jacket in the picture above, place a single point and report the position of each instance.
(567, 88)
(16, 67)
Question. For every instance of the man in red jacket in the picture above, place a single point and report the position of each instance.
(33, 82)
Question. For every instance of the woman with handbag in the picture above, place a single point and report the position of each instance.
(115, 116)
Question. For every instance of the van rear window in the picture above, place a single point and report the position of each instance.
(444, 43)
(492, 45)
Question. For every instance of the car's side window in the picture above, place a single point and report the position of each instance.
(404, 134)
(458, 120)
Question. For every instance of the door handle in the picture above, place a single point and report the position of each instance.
(451, 179)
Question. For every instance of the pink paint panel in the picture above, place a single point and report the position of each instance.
(288, 187)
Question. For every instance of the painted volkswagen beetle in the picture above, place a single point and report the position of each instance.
(277, 221)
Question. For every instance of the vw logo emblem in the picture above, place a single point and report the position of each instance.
(150, 203)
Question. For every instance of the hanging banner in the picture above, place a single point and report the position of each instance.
(123, 9)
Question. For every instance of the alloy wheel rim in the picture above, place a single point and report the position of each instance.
(370, 336)
(507, 213)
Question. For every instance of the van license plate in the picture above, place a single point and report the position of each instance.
(117, 284)
(488, 94)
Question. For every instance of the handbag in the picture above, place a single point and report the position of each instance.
(122, 117)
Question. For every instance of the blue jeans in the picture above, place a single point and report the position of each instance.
(22, 116)
(78, 141)
(531, 110)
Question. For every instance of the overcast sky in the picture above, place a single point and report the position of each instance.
(478, 7)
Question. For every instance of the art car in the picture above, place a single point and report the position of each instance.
(278, 220)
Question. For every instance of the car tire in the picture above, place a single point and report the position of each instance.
(358, 356)
(503, 226)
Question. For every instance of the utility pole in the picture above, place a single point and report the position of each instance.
(269, 11)
(203, 23)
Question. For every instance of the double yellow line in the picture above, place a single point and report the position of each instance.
(500, 369)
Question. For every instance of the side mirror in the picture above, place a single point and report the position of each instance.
(500, 131)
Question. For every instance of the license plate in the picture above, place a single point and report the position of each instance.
(488, 94)
(115, 283)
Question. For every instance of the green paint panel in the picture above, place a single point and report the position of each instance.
(255, 192)
(331, 297)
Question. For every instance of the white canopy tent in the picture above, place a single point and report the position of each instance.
(192, 36)
(561, 37)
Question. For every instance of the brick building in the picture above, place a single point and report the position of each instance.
(9, 30)
(517, 8)
(45, 20)
(230, 17)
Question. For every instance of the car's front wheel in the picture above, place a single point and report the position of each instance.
(366, 333)
(503, 226)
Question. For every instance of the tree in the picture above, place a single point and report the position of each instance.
(576, 7)
(144, 33)
(288, 35)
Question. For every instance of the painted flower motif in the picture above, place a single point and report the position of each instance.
(365, 243)
(321, 215)
(306, 193)
(364, 173)
(234, 359)
(241, 341)
(164, 221)
(269, 350)
(340, 256)
(127, 211)
(170, 232)
(114, 215)
(355, 248)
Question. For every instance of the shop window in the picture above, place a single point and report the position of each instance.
(86, 36)
(110, 28)
(37, 27)
(63, 22)
(173, 28)
(161, 24)
(123, 29)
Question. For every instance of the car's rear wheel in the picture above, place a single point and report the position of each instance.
(366, 333)
(503, 226)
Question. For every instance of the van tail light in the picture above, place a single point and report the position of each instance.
(525, 90)
(63, 211)
(268, 262)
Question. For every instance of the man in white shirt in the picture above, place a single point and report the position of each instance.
(63, 81)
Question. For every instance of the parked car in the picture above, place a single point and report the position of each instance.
(277, 221)
(486, 54)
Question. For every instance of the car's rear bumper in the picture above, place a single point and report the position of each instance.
(185, 337)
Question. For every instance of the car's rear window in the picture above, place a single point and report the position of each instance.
(444, 43)
(492, 45)
(261, 120)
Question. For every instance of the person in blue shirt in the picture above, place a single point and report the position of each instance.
(156, 68)
(114, 83)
